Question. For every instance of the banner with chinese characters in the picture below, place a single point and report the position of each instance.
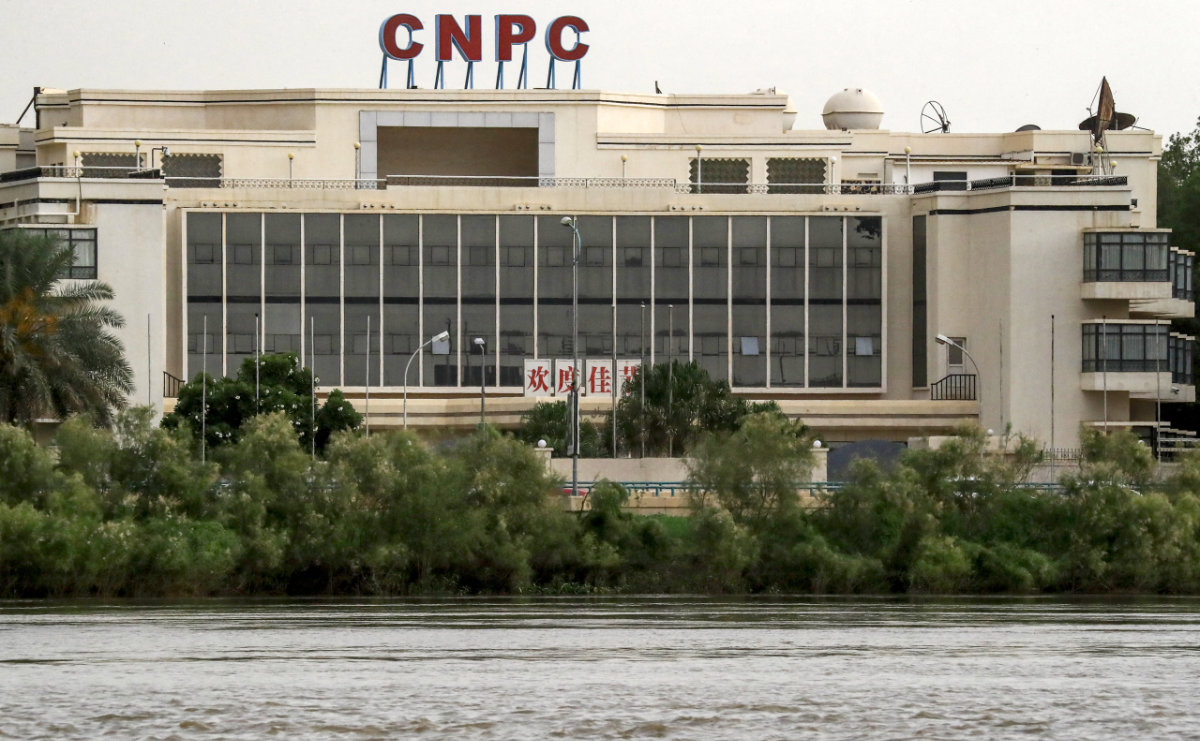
(539, 377)
(548, 377)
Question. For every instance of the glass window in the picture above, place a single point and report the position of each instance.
(710, 310)
(787, 301)
(749, 298)
(516, 297)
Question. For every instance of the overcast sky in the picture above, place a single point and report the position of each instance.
(994, 66)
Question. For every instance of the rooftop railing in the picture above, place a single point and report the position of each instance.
(532, 181)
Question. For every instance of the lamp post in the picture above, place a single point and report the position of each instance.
(944, 340)
(439, 337)
(908, 165)
(624, 159)
(367, 380)
(670, 380)
(1158, 354)
(257, 366)
(482, 345)
(204, 393)
(571, 224)
(166, 153)
(699, 170)
(291, 158)
(642, 382)
(357, 162)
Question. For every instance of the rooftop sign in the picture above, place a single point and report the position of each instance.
(467, 40)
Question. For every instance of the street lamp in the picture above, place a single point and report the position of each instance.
(571, 224)
(482, 345)
(439, 337)
(944, 340)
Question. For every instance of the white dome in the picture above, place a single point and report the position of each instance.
(853, 108)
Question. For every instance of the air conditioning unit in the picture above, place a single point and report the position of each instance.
(1081, 159)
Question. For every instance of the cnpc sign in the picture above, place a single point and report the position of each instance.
(466, 39)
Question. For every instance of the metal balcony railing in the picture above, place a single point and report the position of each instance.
(171, 385)
(533, 181)
(954, 387)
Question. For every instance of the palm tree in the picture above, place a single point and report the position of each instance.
(57, 353)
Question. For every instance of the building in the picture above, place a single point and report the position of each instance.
(813, 267)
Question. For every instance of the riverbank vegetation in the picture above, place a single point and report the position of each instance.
(134, 511)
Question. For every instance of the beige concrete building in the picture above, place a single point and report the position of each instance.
(813, 267)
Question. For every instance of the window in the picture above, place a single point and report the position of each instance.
(82, 243)
(1181, 266)
(950, 180)
(205, 254)
(954, 353)
(403, 255)
(1126, 256)
(1117, 348)
(283, 254)
(322, 254)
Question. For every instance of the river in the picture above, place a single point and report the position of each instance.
(653, 667)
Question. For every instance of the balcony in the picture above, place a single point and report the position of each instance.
(1143, 359)
(1127, 265)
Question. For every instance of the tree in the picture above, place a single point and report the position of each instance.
(549, 421)
(752, 472)
(1179, 210)
(680, 407)
(281, 385)
(58, 355)
(1179, 188)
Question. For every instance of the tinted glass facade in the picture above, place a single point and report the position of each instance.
(787, 302)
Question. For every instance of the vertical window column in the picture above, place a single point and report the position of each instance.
(633, 238)
(749, 273)
(671, 288)
(323, 295)
(282, 322)
(361, 264)
(826, 302)
(516, 297)
(243, 288)
(554, 247)
(204, 292)
(595, 286)
(864, 301)
(401, 290)
(439, 309)
(787, 301)
(479, 298)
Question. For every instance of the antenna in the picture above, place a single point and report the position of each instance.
(934, 118)
(1107, 117)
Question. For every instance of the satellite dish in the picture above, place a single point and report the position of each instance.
(1107, 117)
(1030, 127)
(934, 118)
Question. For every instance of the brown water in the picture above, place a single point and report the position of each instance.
(606, 668)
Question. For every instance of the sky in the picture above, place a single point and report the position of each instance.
(993, 66)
